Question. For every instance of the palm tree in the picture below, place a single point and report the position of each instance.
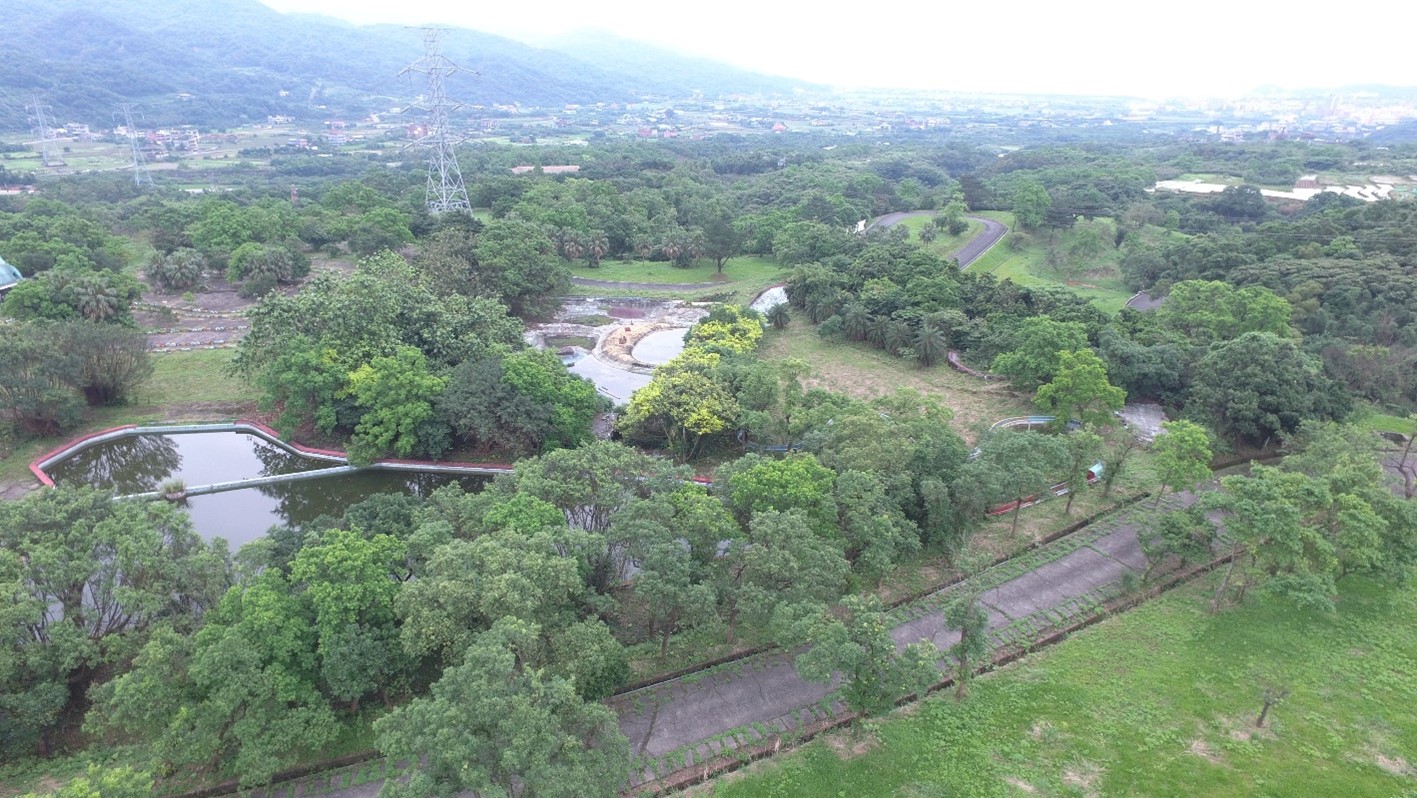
(779, 316)
(672, 248)
(855, 320)
(898, 336)
(928, 232)
(94, 298)
(930, 345)
(574, 246)
(876, 331)
(597, 246)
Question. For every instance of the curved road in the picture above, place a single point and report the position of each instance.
(972, 249)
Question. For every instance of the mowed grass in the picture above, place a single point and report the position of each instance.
(944, 245)
(196, 376)
(1101, 283)
(858, 370)
(1159, 701)
(744, 268)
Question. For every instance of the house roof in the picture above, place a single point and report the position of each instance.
(9, 275)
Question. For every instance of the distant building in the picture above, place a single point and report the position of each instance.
(1307, 181)
(564, 169)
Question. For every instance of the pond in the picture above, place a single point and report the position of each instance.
(660, 346)
(141, 463)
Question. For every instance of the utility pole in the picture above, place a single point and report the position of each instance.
(141, 175)
(48, 154)
(445, 191)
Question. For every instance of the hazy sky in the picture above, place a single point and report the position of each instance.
(1213, 47)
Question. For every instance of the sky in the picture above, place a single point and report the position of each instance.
(1196, 48)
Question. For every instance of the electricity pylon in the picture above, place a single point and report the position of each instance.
(141, 175)
(445, 191)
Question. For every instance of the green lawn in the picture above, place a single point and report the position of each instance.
(944, 244)
(196, 376)
(1160, 701)
(866, 373)
(1101, 282)
(743, 278)
(744, 268)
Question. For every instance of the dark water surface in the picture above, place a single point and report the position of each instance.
(141, 463)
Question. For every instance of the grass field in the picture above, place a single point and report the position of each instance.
(1100, 282)
(744, 268)
(743, 278)
(858, 370)
(944, 245)
(1160, 701)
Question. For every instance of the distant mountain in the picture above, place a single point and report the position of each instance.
(218, 63)
(663, 71)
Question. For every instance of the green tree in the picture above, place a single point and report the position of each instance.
(1185, 534)
(682, 406)
(240, 697)
(1210, 311)
(1079, 391)
(784, 573)
(1030, 203)
(1260, 385)
(754, 484)
(89, 579)
(1034, 359)
(111, 361)
(515, 263)
(468, 585)
(494, 725)
(397, 395)
(967, 615)
(104, 782)
(1180, 456)
(672, 584)
(36, 382)
(1085, 449)
(860, 648)
(306, 382)
(1012, 466)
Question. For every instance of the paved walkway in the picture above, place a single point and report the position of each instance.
(702, 716)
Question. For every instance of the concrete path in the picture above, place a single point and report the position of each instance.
(705, 715)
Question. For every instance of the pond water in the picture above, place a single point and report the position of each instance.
(659, 347)
(141, 463)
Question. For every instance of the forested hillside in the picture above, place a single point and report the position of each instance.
(235, 57)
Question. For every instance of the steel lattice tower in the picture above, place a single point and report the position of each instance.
(45, 134)
(141, 175)
(445, 191)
